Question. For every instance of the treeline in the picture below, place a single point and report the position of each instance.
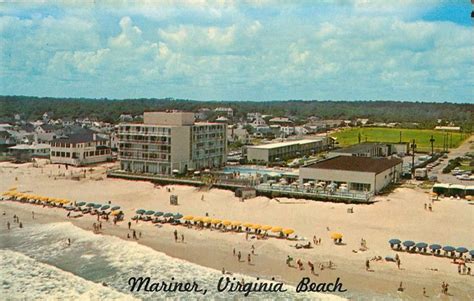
(426, 114)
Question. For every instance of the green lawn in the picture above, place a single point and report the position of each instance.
(422, 137)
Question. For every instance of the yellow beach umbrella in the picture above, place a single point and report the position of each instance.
(226, 223)
(236, 223)
(336, 235)
(216, 221)
(116, 212)
(197, 219)
(277, 229)
(206, 220)
(256, 226)
(188, 217)
(266, 227)
(288, 231)
(248, 225)
(12, 188)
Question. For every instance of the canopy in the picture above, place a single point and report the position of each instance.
(88, 205)
(149, 212)
(248, 225)
(449, 249)
(188, 217)
(288, 231)
(408, 243)
(471, 252)
(177, 216)
(236, 223)
(215, 221)
(175, 171)
(435, 247)
(226, 223)
(97, 206)
(197, 219)
(462, 250)
(105, 207)
(140, 211)
(206, 219)
(336, 235)
(256, 226)
(421, 245)
(394, 241)
(115, 208)
(158, 213)
(276, 229)
(266, 227)
(169, 214)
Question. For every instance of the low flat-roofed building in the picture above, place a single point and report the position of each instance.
(371, 149)
(448, 128)
(357, 173)
(284, 150)
(26, 152)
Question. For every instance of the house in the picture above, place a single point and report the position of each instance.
(46, 132)
(228, 111)
(26, 152)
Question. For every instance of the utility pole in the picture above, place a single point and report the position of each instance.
(400, 136)
(451, 141)
(413, 147)
(359, 137)
(432, 140)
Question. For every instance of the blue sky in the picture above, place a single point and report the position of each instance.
(417, 50)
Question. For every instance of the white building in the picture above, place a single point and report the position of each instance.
(171, 142)
(80, 149)
(356, 173)
(228, 111)
(284, 150)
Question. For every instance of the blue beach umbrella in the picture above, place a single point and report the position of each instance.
(449, 249)
(140, 211)
(168, 214)
(97, 206)
(471, 253)
(158, 213)
(80, 204)
(115, 208)
(421, 245)
(90, 205)
(149, 212)
(408, 243)
(462, 250)
(394, 241)
(177, 216)
(105, 207)
(435, 247)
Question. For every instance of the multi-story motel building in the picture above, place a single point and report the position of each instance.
(171, 142)
(284, 150)
(80, 149)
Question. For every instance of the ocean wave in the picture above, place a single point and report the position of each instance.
(102, 258)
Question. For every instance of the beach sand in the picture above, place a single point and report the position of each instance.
(398, 215)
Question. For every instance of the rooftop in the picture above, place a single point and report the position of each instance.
(358, 148)
(362, 164)
(287, 143)
(79, 138)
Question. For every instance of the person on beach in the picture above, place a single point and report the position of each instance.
(311, 267)
(233, 252)
(175, 235)
(182, 238)
(424, 292)
(425, 206)
(367, 265)
(289, 260)
(469, 271)
(223, 271)
(21, 225)
(430, 208)
(400, 287)
(68, 214)
(315, 240)
(8, 225)
(398, 263)
(246, 236)
(239, 256)
(249, 259)
(300, 264)
(32, 214)
(14, 218)
(253, 250)
(128, 235)
(68, 241)
(129, 224)
(100, 225)
(134, 234)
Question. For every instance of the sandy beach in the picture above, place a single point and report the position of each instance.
(398, 215)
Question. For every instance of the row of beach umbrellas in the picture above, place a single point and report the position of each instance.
(433, 247)
(20, 195)
(159, 214)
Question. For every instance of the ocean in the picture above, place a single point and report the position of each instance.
(38, 264)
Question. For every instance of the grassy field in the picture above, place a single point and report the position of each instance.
(422, 137)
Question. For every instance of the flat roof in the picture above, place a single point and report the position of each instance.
(287, 143)
(33, 146)
(356, 148)
(352, 163)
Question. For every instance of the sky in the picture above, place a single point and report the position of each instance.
(414, 50)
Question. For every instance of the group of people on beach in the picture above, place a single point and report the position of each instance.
(16, 219)
(463, 269)
(428, 207)
(299, 262)
(176, 236)
(239, 255)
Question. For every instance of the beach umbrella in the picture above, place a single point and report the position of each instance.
(115, 208)
(462, 250)
(449, 249)
(289, 231)
(188, 217)
(236, 224)
(256, 226)
(116, 212)
(90, 205)
(150, 212)
(97, 206)
(216, 221)
(408, 243)
(471, 253)
(177, 216)
(206, 220)
(276, 229)
(105, 207)
(197, 219)
(12, 188)
(168, 214)
(66, 201)
(421, 245)
(266, 227)
(140, 211)
(336, 235)
(435, 247)
(226, 223)
(394, 241)
(248, 225)
(158, 213)
(81, 204)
